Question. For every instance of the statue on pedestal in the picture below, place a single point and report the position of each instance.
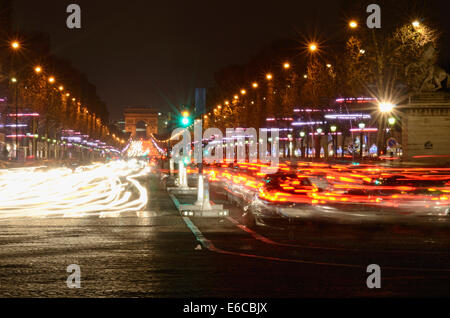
(426, 74)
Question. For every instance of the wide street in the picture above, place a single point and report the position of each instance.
(152, 251)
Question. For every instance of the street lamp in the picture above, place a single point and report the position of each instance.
(416, 24)
(243, 91)
(269, 76)
(286, 65)
(15, 45)
(312, 47)
(319, 133)
(361, 143)
(353, 24)
(255, 85)
(386, 107)
(333, 129)
(51, 79)
(391, 121)
(38, 69)
(302, 135)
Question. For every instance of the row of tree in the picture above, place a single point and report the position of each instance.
(68, 102)
(380, 63)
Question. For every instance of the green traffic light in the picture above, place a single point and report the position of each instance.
(185, 121)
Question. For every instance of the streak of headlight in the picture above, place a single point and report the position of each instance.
(105, 189)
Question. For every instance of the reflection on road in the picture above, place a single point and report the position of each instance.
(102, 189)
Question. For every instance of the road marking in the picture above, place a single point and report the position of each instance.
(206, 243)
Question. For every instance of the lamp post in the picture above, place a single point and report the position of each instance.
(16, 105)
(391, 122)
(319, 135)
(15, 46)
(334, 137)
(361, 142)
(302, 135)
(385, 108)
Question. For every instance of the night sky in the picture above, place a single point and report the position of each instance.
(146, 52)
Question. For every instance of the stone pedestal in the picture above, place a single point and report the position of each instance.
(426, 128)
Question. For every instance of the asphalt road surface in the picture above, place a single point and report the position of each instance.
(157, 253)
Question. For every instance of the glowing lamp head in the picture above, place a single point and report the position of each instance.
(269, 76)
(38, 69)
(391, 121)
(286, 65)
(386, 107)
(333, 128)
(302, 134)
(243, 91)
(361, 125)
(313, 47)
(255, 85)
(353, 24)
(416, 24)
(15, 45)
(51, 80)
(319, 130)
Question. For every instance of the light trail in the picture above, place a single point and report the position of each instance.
(103, 189)
(405, 190)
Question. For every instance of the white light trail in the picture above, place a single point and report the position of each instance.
(101, 189)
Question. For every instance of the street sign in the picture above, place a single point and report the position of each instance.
(391, 143)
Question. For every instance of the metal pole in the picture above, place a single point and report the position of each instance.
(361, 143)
(17, 123)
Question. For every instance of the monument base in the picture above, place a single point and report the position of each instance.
(426, 128)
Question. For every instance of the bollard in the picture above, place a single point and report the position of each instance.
(203, 193)
(182, 178)
(171, 166)
(206, 203)
(200, 192)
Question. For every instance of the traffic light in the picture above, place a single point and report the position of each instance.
(185, 119)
